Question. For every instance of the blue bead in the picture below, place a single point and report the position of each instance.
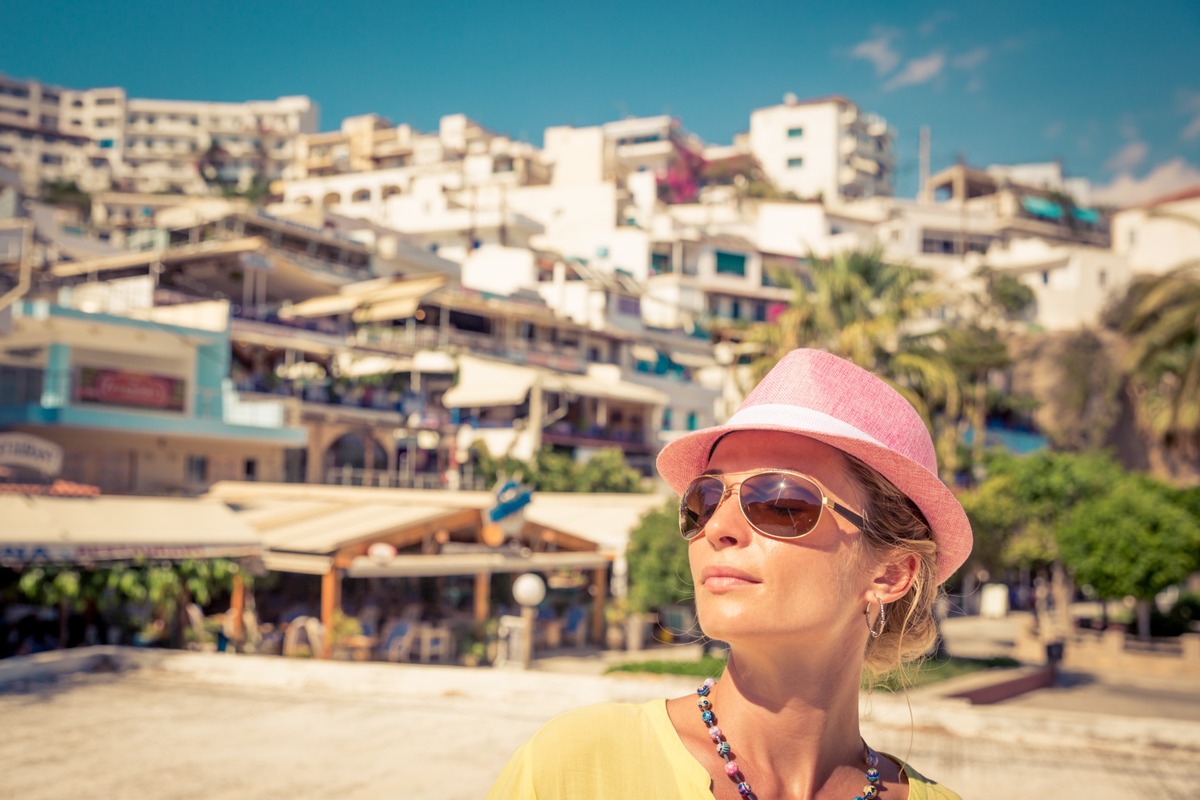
(744, 789)
(707, 716)
(723, 749)
(702, 691)
(873, 775)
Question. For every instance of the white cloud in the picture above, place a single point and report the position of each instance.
(917, 71)
(971, 59)
(1126, 190)
(1189, 103)
(878, 51)
(1054, 130)
(1128, 157)
(931, 24)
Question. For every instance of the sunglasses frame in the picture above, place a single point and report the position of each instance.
(856, 519)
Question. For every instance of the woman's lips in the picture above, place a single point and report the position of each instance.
(725, 578)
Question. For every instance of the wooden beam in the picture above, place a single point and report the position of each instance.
(415, 534)
(331, 602)
(483, 596)
(600, 585)
(237, 607)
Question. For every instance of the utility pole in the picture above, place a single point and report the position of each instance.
(923, 158)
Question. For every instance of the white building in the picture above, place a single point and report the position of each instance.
(46, 133)
(1161, 234)
(1071, 284)
(96, 137)
(825, 148)
(1046, 175)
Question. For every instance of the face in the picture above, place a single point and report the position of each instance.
(751, 585)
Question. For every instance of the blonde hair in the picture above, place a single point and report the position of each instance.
(895, 527)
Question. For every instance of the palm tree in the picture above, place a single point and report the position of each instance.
(1161, 315)
(865, 309)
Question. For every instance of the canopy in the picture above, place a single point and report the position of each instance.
(474, 564)
(39, 528)
(483, 384)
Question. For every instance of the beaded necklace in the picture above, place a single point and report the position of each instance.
(870, 757)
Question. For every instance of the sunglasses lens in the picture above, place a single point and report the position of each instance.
(781, 505)
(697, 505)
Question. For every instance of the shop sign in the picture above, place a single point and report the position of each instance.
(31, 452)
(118, 388)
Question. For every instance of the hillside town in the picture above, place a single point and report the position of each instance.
(357, 379)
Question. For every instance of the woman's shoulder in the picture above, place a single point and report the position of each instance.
(920, 787)
(599, 722)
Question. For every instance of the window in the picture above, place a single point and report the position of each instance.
(51, 160)
(106, 101)
(795, 133)
(760, 312)
(660, 263)
(1045, 278)
(666, 419)
(731, 263)
(251, 469)
(197, 469)
(691, 421)
(735, 309)
(795, 163)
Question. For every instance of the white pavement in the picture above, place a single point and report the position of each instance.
(188, 725)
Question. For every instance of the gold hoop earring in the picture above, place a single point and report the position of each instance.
(877, 629)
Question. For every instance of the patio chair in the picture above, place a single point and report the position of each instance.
(398, 640)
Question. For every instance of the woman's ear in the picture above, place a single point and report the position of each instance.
(895, 577)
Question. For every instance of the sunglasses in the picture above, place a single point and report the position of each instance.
(776, 502)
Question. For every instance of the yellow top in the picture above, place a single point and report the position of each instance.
(623, 750)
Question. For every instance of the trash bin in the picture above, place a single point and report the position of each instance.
(1054, 653)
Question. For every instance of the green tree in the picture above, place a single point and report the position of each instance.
(659, 573)
(1015, 511)
(555, 471)
(1132, 540)
(165, 587)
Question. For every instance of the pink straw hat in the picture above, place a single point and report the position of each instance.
(818, 395)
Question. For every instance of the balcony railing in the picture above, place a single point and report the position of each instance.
(385, 479)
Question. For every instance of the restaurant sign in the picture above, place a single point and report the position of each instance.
(119, 388)
(31, 452)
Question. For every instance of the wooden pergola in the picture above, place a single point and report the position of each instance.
(329, 531)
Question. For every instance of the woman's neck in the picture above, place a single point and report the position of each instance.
(790, 721)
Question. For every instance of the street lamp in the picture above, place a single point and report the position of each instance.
(528, 590)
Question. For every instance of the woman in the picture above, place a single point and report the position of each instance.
(819, 533)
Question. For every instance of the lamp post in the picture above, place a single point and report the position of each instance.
(528, 590)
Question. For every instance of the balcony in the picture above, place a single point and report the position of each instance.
(569, 434)
(117, 400)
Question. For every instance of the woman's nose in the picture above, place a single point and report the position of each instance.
(727, 527)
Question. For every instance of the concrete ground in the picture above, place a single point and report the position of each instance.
(187, 725)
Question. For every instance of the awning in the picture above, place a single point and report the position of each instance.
(693, 360)
(370, 301)
(484, 384)
(147, 258)
(473, 564)
(1041, 207)
(322, 533)
(350, 367)
(42, 528)
(587, 386)
(605, 519)
(301, 563)
(644, 352)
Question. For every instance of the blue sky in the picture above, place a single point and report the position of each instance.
(1112, 89)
